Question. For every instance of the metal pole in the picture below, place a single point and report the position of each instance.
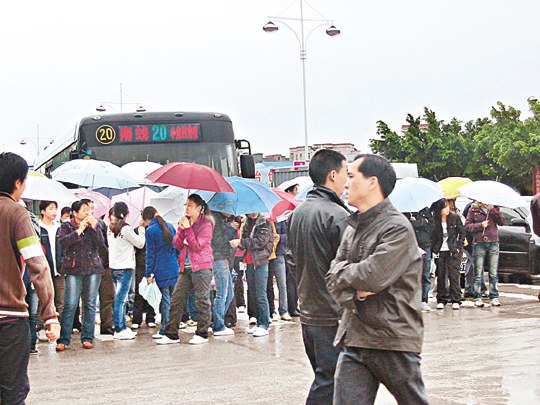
(303, 59)
(38, 139)
(121, 97)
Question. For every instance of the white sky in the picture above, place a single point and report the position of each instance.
(60, 59)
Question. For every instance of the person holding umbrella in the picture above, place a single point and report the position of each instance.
(482, 221)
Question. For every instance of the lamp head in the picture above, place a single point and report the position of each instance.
(101, 108)
(23, 142)
(333, 31)
(270, 27)
(140, 109)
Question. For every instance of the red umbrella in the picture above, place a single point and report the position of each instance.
(190, 176)
(283, 208)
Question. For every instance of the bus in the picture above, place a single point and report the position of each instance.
(161, 137)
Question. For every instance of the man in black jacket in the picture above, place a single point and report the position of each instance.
(315, 230)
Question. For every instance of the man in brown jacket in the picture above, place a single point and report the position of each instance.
(19, 240)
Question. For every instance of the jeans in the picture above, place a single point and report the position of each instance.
(32, 300)
(479, 252)
(360, 371)
(122, 284)
(77, 286)
(277, 267)
(448, 266)
(426, 276)
(199, 283)
(224, 293)
(257, 279)
(165, 306)
(14, 356)
(323, 356)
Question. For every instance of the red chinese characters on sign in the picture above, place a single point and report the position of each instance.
(536, 181)
(258, 176)
(141, 133)
(126, 134)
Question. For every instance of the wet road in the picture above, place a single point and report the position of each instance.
(471, 356)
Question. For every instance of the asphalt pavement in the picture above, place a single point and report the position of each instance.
(487, 355)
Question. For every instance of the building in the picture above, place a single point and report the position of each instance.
(297, 153)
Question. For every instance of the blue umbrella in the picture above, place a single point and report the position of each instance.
(250, 196)
(412, 194)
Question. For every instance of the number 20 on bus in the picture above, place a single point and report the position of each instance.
(105, 134)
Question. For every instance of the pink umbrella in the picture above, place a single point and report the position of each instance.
(136, 200)
(101, 202)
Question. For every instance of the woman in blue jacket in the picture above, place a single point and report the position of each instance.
(161, 261)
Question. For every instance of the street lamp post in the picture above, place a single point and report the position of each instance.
(26, 140)
(332, 31)
(101, 108)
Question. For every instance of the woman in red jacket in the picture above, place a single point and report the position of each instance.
(193, 238)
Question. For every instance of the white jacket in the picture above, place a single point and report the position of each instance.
(122, 248)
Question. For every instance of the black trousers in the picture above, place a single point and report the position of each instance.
(140, 305)
(323, 356)
(14, 356)
(448, 266)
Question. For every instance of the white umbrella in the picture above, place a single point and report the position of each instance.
(93, 173)
(302, 181)
(412, 194)
(41, 188)
(494, 193)
(170, 203)
(136, 201)
(139, 170)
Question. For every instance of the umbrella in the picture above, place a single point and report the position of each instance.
(284, 208)
(101, 202)
(412, 194)
(170, 203)
(493, 192)
(302, 181)
(136, 201)
(190, 176)
(450, 186)
(249, 196)
(302, 194)
(93, 173)
(39, 187)
(139, 170)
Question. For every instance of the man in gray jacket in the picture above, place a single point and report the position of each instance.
(376, 277)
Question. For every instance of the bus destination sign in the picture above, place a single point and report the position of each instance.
(159, 133)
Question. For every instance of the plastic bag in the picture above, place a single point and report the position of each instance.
(151, 293)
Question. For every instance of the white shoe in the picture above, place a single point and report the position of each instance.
(252, 320)
(42, 337)
(150, 325)
(166, 341)
(241, 308)
(198, 340)
(134, 326)
(260, 332)
(426, 307)
(495, 302)
(191, 322)
(250, 331)
(275, 317)
(126, 334)
(286, 317)
(478, 302)
(440, 305)
(157, 336)
(224, 332)
(455, 305)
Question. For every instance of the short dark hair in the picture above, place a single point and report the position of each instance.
(12, 168)
(43, 205)
(380, 167)
(76, 206)
(322, 163)
(87, 201)
(65, 210)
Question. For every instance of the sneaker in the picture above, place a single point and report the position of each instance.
(126, 334)
(75, 330)
(495, 302)
(42, 337)
(426, 307)
(275, 317)
(34, 351)
(151, 324)
(134, 326)
(165, 340)
(182, 325)
(224, 332)
(250, 331)
(286, 317)
(455, 305)
(260, 332)
(157, 336)
(191, 322)
(242, 309)
(198, 340)
(440, 305)
(252, 320)
(478, 302)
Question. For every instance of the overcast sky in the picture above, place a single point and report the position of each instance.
(60, 59)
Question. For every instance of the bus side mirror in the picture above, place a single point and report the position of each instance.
(247, 166)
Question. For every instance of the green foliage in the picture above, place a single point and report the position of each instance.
(503, 148)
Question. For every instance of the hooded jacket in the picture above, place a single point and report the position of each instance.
(456, 234)
(223, 233)
(315, 229)
(379, 254)
(198, 240)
